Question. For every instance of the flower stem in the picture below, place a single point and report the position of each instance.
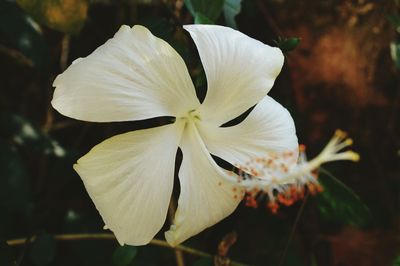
(180, 261)
(293, 230)
(106, 236)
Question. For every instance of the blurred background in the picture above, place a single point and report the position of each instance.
(341, 71)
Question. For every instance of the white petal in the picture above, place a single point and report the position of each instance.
(240, 70)
(129, 178)
(133, 76)
(206, 197)
(268, 128)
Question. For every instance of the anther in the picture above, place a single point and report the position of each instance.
(275, 176)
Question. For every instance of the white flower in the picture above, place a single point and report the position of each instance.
(136, 76)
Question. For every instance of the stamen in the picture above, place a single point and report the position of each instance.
(277, 176)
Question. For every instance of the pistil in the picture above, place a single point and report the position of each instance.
(284, 181)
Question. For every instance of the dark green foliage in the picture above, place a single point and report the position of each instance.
(395, 45)
(395, 53)
(43, 250)
(124, 255)
(287, 44)
(208, 11)
(199, 18)
(40, 191)
(395, 21)
(339, 204)
(203, 262)
(15, 190)
(21, 132)
(396, 261)
(7, 254)
(24, 34)
(211, 9)
(293, 255)
(231, 9)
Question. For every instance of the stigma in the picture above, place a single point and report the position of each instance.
(282, 178)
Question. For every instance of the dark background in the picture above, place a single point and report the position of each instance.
(343, 74)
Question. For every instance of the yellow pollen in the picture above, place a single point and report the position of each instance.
(355, 157)
(340, 133)
(302, 148)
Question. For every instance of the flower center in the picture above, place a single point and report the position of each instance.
(193, 115)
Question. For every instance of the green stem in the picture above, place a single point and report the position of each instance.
(106, 236)
(293, 230)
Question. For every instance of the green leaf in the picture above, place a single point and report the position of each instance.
(65, 16)
(162, 28)
(21, 132)
(159, 26)
(43, 250)
(338, 203)
(231, 9)
(199, 18)
(212, 9)
(17, 129)
(23, 33)
(314, 261)
(14, 182)
(287, 44)
(204, 262)
(395, 53)
(293, 256)
(7, 255)
(124, 255)
(395, 20)
(396, 261)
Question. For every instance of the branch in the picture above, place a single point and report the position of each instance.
(106, 236)
(269, 19)
(17, 55)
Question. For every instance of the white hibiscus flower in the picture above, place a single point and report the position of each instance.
(136, 76)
